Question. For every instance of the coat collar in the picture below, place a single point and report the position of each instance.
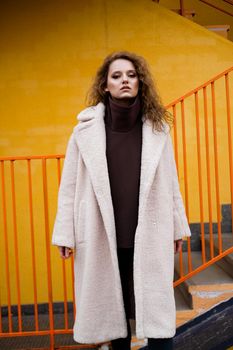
(91, 140)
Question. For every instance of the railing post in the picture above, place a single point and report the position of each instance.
(8, 285)
(16, 246)
(229, 142)
(216, 162)
(209, 187)
(200, 178)
(48, 257)
(182, 11)
(32, 242)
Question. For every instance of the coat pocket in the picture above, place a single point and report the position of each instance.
(81, 222)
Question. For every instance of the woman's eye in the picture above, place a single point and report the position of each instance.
(130, 75)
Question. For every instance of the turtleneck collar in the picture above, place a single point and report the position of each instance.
(122, 118)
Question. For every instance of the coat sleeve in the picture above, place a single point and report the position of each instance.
(181, 226)
(63, 232)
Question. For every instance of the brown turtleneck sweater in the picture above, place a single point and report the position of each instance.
(123, 151)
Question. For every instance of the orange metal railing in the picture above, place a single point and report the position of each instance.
(199, 110)
(204, 99)
(9, 194)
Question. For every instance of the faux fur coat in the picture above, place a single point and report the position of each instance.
(85, 221)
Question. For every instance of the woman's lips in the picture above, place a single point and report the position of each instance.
(125, 88)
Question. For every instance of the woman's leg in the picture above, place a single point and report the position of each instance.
(125, 260)
(122, 343)
(160, 344)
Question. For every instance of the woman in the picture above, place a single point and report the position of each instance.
(120, 207)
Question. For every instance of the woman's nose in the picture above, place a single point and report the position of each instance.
(125, 79)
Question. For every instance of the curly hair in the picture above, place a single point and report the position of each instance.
(152, 107)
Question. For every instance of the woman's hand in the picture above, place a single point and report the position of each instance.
(65, 252)
(178, 246)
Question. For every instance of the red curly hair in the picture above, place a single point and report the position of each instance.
(152, 107)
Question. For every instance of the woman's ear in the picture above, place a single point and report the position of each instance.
(106, 89)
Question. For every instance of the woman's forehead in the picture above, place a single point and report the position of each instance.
(121, 64)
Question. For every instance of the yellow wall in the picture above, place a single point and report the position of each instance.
(49, 53)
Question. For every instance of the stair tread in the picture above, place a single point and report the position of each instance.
(212, 275)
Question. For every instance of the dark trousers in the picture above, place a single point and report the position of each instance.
(153, 344)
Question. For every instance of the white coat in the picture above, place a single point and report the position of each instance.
(85, 221)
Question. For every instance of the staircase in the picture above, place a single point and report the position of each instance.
(204, 269)
(207, 288)
(195, 10)
(197, 295)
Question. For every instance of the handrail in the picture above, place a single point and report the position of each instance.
(198, 102)
(217, 7)
(191, 92)
(229, 1)
(203, 267)
(50, 156)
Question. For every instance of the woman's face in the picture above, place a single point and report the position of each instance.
(122, 81)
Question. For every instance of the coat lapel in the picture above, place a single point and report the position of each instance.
(91, 140)
(152, 147)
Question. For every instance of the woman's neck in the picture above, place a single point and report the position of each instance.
(120, 117)
(124, 102)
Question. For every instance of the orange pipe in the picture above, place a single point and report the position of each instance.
(65, 294)
(200, 179)
(16, 246)
(6, 247)
(181, 271)
(208, 173)
(50, 156)
(48, 257)
(186, 181)
(32, 243)
(59, 170)
(216, 168)
(57, 331)
(32, 333)
(229, 141)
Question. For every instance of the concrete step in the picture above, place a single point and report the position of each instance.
(225, 263)
(183, 311)
(199, 293)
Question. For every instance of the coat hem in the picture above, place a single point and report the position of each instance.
(155, 335)
(99, 340)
